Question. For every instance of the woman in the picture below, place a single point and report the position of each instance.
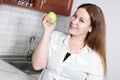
(77, 55)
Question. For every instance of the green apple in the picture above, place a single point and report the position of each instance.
(53, 17)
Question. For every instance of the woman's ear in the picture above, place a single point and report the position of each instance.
(90, 29)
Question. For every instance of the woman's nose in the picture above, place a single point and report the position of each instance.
(74, 21)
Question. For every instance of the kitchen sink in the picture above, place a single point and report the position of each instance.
(25, 67)
(21, 63)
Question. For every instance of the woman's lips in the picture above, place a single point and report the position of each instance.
(73, 27)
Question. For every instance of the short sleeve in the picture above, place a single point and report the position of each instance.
(56, 36)
(55, 39)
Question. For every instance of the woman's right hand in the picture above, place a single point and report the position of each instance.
(47, 26)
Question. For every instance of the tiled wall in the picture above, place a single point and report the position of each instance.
(17, 25)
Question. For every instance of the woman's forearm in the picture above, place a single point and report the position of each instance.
(39, 58)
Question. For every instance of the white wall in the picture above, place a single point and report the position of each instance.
(112, 15)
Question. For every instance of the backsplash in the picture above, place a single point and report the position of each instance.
(17, 25)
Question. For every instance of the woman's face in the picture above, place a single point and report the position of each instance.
(80, 23)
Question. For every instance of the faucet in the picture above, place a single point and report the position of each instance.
(31, 48)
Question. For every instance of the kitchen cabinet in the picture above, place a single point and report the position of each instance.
(21, 3)
(62, 7)
(0, 1)
(10, 1)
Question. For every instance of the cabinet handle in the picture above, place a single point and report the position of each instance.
(68, 4)
(42, 2)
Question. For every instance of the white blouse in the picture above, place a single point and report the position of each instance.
(83, 65)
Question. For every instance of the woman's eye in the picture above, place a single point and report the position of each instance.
(81, 20)
(74, 16)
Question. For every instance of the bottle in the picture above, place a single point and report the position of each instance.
(31, 3)
(19, 2)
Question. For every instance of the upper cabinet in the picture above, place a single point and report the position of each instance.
(59, 6)
(0, 1)
(62, 7)
(10, 1)
(22, 3)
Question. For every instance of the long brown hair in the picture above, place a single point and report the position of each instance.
(96, 38)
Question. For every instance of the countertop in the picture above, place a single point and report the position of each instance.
(9, 72)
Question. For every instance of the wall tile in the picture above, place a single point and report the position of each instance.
(17, 25)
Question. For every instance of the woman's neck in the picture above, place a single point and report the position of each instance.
(75, 43)
(77, 40)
